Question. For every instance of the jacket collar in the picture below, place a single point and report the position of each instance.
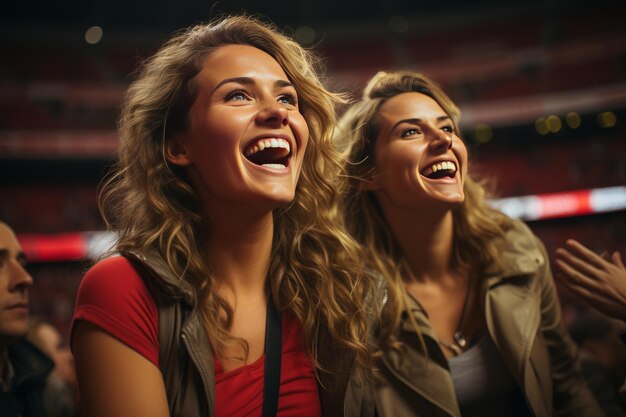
(162, 276)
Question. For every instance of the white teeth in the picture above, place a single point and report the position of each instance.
(278, 166)
(447, 165)
(268, 143)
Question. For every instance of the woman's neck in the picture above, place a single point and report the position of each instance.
(426, 241)
(239, 248)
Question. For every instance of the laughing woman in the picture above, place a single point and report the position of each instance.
(238, 293)
(473, 325)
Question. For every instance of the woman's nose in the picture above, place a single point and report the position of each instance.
(273, 114)
(440, 139)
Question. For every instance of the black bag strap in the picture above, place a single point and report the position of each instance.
(273, 355)
(170, 317)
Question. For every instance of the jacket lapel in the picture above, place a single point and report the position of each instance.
(428, 376)
(512, 311)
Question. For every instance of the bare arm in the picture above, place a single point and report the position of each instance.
(598, 281)
(113, 379)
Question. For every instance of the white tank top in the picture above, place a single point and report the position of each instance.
(483, 384)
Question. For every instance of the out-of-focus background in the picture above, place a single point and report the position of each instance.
(541, 84)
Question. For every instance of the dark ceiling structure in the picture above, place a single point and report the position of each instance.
(142, 15)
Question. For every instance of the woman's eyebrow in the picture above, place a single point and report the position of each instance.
(417, 120)
(249, 81)
(283, 83)
(239, 80)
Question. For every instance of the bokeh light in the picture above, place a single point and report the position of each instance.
(607, 119)
(483, 133)
(93, 35)
(305, 35)
(554, 123)
(541, 126)
(573, 120)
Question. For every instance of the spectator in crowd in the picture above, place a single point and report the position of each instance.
(600, 282)
(23, 368)
(60, 394)
(472, 325)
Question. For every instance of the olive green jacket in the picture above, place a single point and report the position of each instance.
(523, 317)
(186, 358)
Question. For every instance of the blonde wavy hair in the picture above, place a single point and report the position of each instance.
(475, 222)
(315, 271)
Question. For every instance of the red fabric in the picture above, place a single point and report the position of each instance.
(243, 386)
(113, 297)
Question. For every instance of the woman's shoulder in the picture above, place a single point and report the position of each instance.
(517, 228)
(114, 297)
(113, 265)
(519, 236)
(520, 250)
(116, 279)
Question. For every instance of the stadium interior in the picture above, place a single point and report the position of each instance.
(541, 86)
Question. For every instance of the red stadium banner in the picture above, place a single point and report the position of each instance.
(90, 245)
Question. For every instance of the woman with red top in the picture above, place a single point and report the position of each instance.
(224, 198)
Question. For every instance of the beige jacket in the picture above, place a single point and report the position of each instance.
(523, 317)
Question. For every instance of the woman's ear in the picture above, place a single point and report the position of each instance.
(176, 153)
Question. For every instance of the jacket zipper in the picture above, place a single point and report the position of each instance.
(196, 362)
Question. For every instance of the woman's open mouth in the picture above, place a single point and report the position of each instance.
(269, 152)
(439, 170)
